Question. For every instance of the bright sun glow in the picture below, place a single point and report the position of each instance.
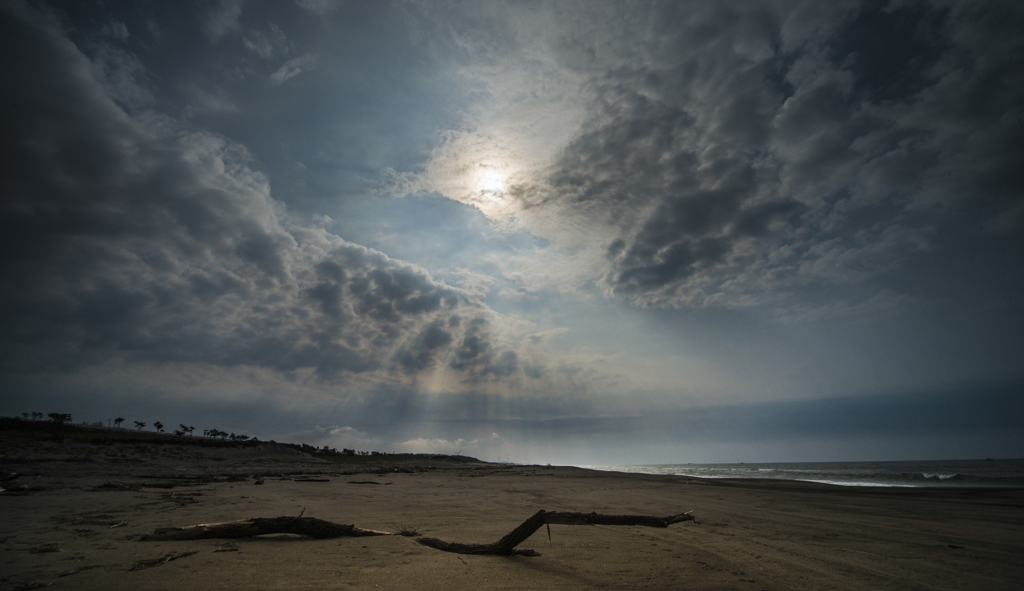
(491, 181)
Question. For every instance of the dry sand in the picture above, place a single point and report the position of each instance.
(77, 534)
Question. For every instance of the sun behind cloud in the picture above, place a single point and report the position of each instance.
(491, 181)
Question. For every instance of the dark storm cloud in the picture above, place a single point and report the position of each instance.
(743, 148)
(889, 50)
(124, 235)
(421, 355)
(475, 354)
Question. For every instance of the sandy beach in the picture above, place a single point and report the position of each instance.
(75, 515)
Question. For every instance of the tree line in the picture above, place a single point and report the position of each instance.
(65, 418)
(181, 431)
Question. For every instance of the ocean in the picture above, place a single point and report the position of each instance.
(941, 473)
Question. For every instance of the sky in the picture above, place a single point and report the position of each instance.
(569, 232)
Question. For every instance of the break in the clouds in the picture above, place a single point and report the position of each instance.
(548, 230)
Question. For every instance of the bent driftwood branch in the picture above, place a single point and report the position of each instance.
(318, 528)
(506, 546)
(257, 526)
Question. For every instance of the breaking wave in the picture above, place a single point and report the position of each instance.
(951, 473)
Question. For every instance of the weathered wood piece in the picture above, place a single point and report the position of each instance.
(306, 526)
(318, 528)
(506, 546)
(162, 560)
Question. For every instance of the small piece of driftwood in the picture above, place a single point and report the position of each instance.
(162, 560)
(257, 526)
(506, 546)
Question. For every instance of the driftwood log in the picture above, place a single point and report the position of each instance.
(506, 546)
(318, 528)
(257, 526)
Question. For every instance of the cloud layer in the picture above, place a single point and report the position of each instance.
(126, 235)
(516, 227)
(728, 155)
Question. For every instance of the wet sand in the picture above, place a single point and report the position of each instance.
(81, 528)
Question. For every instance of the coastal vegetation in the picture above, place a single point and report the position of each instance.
(60, 429)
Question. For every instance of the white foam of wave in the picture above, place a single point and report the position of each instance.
(856, 483)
